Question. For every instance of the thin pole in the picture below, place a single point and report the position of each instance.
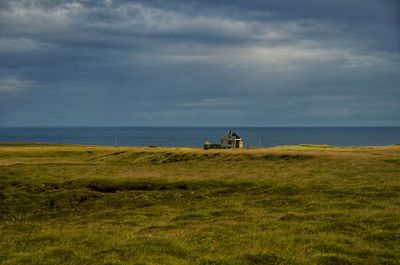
(259, 142)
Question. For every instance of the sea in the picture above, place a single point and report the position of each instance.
(195, 136)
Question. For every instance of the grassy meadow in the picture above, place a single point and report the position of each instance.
(71, 204)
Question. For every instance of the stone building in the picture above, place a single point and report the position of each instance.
(229, 140)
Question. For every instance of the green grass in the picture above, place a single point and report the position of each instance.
(70, 204)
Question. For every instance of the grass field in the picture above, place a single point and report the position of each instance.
(65, 204)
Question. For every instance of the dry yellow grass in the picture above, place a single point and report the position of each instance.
(71, 204)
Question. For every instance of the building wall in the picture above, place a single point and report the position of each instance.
(239, 144)
(232, 143)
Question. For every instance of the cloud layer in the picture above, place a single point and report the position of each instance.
(264, 63)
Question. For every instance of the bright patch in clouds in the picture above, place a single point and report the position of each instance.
(10, 85)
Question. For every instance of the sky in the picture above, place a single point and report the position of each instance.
(200, 63)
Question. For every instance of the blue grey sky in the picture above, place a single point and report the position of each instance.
(199, 63)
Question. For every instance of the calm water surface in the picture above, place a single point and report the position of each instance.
(190, 136)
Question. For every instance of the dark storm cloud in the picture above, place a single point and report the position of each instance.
(173, 62)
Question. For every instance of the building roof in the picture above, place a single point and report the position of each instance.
(231, 135)
(235, 135)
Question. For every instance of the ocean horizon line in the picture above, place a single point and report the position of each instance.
(222, 126)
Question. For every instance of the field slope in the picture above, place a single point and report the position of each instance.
(71, 204)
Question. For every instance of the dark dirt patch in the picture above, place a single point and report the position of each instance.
(110, 187)
(287, 157)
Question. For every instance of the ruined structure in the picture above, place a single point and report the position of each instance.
(229, 140)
